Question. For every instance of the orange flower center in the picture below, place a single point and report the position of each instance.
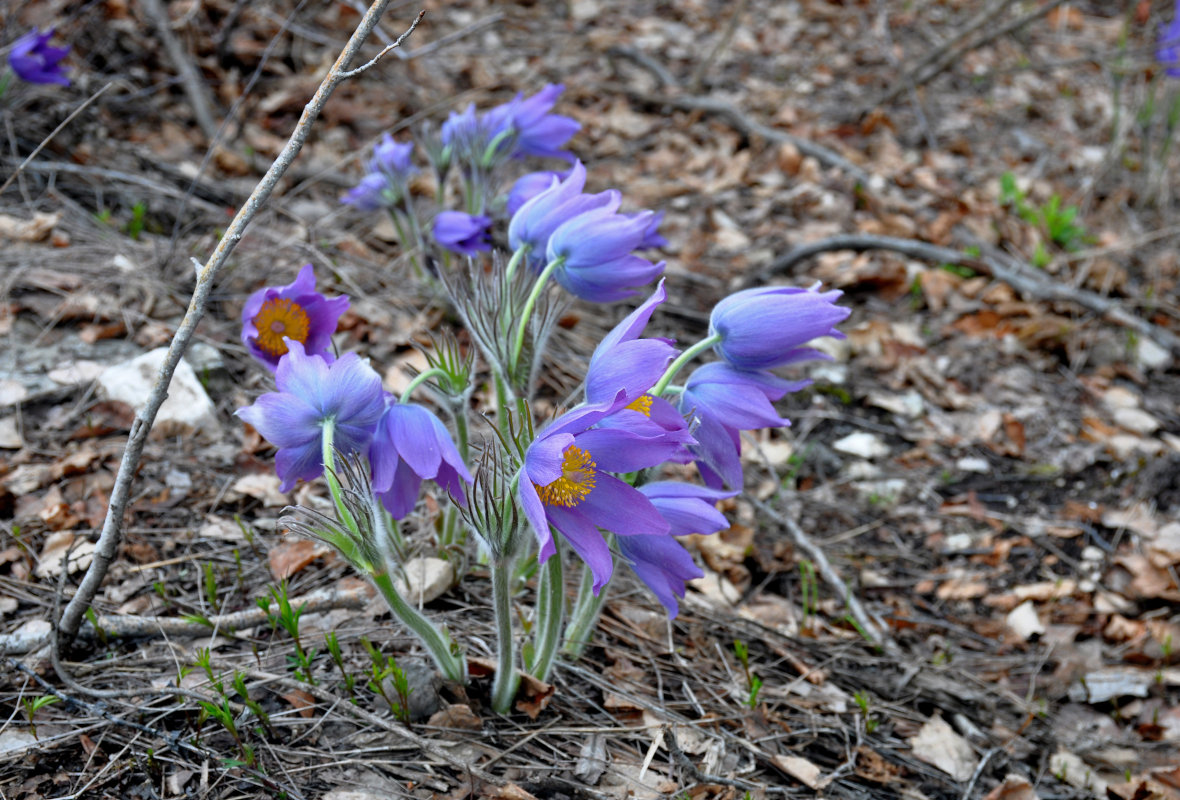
(641, 404)
(576, 481)
(280, 318)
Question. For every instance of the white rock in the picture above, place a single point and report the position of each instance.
(10, 438)
(1136, 420)
(1118, 397)
(425, 579)
(1150, 355)
(973, 464)
(1024, 622)
(862, 444)
(957, 542)
(828, 372)
(187, 410)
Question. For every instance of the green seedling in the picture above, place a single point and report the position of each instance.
(252, 705)
(333, 645)
(92, 618)
(862, 702)
(1056, 221)
(382, 668)
(288, 620)
(224, 715)
(135, 225)
(753, 682)
(34, 704)
(809, 589)
(210, 585)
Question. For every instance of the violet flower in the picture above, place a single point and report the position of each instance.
(535, 221)
(536, 131)
(462, 233)
(411, 445)
(660, 561)
(721, 401)
(387, 181)
(565, 482)
(298, 312)
(764, 327)
(595, 249)
(33, 60)
(529, 186)
(1168, 45)
(343, 397)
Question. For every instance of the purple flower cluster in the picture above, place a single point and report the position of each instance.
(593, 244)
(466, 234)
(33, 60)
(521, 127)
(342, 398)
(387, 180)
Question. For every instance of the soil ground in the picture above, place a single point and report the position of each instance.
(991, 468)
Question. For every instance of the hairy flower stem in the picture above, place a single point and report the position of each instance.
(407, 245)
(505, 683)
(421, 378)
(514, 262)
(329, 456)
(585, 615)
(442, 649)
(550, 614)
(529, 305)
(681, 360)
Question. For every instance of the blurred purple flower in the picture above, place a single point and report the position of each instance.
(660, 561)
(462, 233)
(298, 312)
(387, 181)
(314, 393)
(411, 445)
(529, 186)
(33, 60)
(535, 130)
(536, 220)
(763, 328)
(651, 236)
(1168, 45)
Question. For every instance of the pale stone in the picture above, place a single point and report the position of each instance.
(187, 409)
(937, 744)
(1024, 622)
(973, 464)
(1150, 355)
(424, 579)
(1136, 420)
(862, 444)
(10, 438)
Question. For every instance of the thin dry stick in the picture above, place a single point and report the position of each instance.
(194, 85)
(108, 542)
(55, 132)
(698, 74)
(951, 56)
(869, 627)
(999, 265)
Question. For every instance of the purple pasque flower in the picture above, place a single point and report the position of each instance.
(536, 220)
(462, 233)
(529, 186)
(651, 237)
(660, 561)
(387, 181)
(764, 327)
(1167, 51)
(720, 402)
(566, 482)
(536, 131)
(313, 394)
(595, 250)
(33, 60)
(411, 445)
(297, 312)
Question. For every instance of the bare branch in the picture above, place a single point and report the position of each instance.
(108, 542)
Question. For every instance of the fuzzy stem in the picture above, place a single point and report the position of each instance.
(329, 456)
(585, 616)
(452, 664)
(550, 613)
(530, 304)
(681, 360)
(506, 680)
(421, 378)
(514, 262)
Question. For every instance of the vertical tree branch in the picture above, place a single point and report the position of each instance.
(112, 528)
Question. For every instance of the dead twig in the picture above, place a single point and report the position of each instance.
(194, 85)
(996, 263)
(108, 542)
(950, 52)
(698, 74)
(868, 626)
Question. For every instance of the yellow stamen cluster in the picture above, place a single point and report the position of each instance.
(280, 318)
(642, 405)
(576, 481)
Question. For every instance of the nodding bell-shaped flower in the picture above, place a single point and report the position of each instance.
(388, 178)
(33, 60)
(765, 327)
(462, 233)
(295, 312)
(537, 132)
(529, 186)
(341, 399)
(411, 445)
(536, 220)
(597, 262)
